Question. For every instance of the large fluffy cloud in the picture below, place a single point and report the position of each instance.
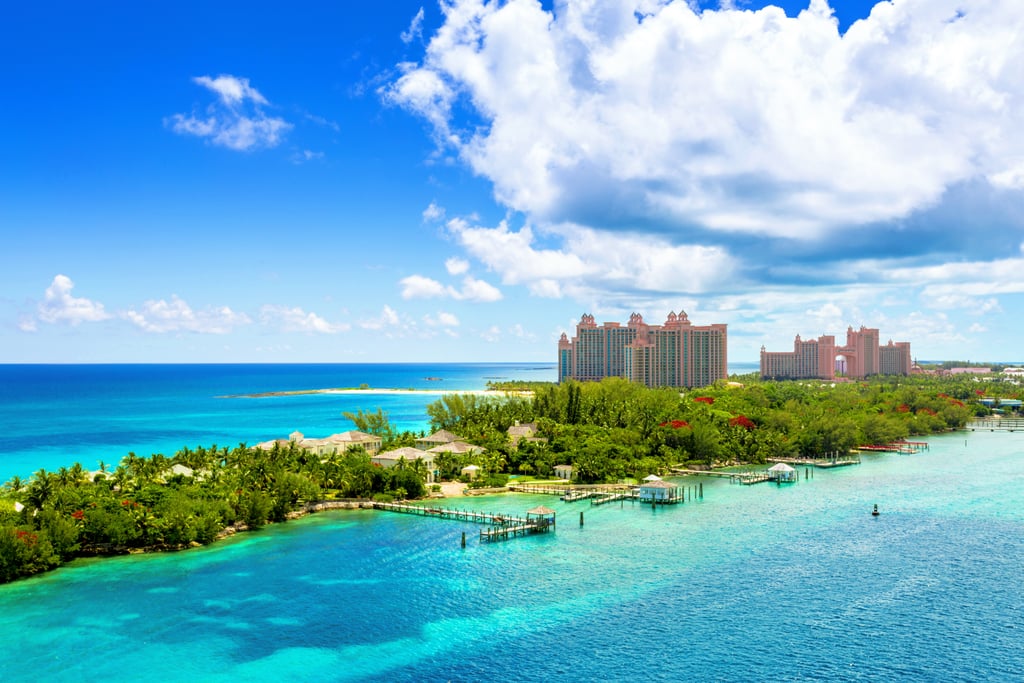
(634, 111)
(591, 260)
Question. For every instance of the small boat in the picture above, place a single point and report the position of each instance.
(874, 513)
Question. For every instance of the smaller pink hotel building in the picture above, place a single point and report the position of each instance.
(821, 359)
(675, 354)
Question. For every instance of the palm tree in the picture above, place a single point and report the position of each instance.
(41, 489)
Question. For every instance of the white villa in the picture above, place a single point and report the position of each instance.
(438, 438)
(335, 443)
(410, 456)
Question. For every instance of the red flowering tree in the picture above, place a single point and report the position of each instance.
(742, 421)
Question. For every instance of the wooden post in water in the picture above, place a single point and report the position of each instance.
(463, 539)
(581, 518)
(701, 494)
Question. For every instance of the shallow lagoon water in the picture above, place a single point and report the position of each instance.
(758, 582)
(751, 583)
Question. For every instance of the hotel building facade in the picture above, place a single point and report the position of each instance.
(675, 354)
(821, 359)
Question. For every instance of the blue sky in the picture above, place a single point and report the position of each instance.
(409, 181)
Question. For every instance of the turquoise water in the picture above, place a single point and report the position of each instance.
(54, 415)
(751, 583)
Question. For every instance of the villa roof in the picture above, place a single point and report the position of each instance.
(540, 510)
(652, 477)
(563, 467)
(351, 436)
(525, 429)
(459, 447)
(269, 445)
(658, 484)
(441, 436)
(780, 467)
(406, 452)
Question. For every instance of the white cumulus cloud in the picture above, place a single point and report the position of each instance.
(456, 266)
(59, 305)
(160, 315)
(726, 121)
(388, 318)
(593, 260)
(472, 289)
(236, 120)
(295, 319)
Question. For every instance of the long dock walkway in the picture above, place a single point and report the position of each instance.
(612, 497)
(704, 473)
(839, 461)
(450, 513)
(538, 520)
(1001, 424)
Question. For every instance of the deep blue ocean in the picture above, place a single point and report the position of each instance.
(752, 583)
(54, 415)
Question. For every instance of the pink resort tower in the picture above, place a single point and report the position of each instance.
(675, 354)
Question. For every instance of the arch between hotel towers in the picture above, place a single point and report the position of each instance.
(821, 359)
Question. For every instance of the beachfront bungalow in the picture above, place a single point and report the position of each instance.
(657, 491)
(781, 472)
(564, 472)
(408, 455)
(438, 438)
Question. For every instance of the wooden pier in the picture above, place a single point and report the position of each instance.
(503, 526)
(748, 478)
(997, 425)
(837, 461)
(612, 497)
(450, 513)
(704, 473)
(571, 494)
(902, 447)
(551, 489)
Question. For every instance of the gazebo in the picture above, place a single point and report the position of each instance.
(781, 472)
(471, 471)
(541, 518)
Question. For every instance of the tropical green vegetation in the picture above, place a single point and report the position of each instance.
(166, 503)
(614, 429)
(606, 430)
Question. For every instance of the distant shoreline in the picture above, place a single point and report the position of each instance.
(371, 392)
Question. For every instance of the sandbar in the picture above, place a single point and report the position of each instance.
(370, 392)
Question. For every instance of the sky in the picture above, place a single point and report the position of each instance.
(460, 182)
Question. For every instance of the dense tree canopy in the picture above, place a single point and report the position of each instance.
(606, 430)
